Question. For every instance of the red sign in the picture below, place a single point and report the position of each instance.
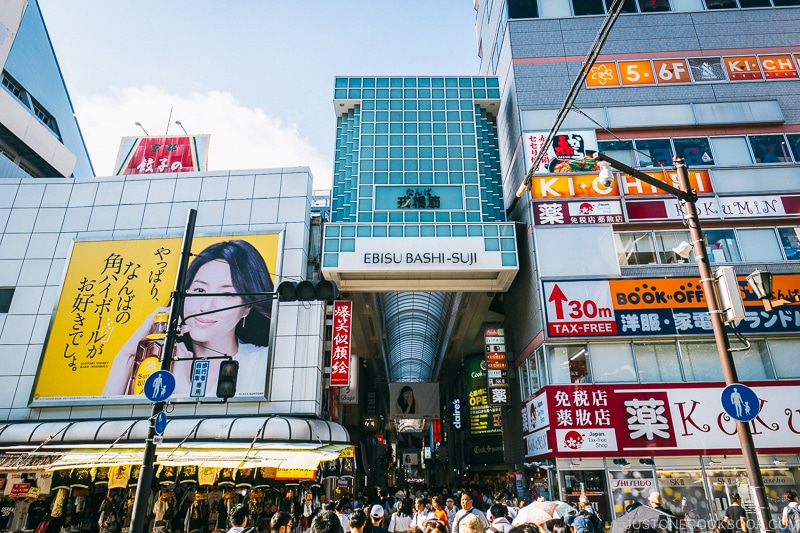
(340, 346)
(662, 419)
(160, 155)
(20, 490)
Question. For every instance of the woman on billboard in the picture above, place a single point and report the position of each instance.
(406, 404)
(213, 326)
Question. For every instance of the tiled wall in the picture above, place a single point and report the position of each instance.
(40, 218)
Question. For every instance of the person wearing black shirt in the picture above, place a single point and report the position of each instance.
(735, 517)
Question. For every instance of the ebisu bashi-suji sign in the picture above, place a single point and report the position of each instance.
(662, 419)
(656, 307)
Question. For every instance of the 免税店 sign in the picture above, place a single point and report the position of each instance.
(667, 419)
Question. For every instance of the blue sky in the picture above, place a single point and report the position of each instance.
(255, 74)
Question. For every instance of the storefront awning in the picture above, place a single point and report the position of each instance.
(279, 442)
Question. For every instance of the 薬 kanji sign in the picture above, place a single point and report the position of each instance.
(667, 419)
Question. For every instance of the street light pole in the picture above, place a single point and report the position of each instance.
(688, 199)
(143, 486)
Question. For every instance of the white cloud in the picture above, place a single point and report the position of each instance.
(241, 137)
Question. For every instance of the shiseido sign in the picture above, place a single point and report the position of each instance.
(667, 419)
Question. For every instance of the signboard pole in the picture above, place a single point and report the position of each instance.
(145, 482)
(688, 199)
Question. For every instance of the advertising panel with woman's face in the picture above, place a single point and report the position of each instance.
(112, 307)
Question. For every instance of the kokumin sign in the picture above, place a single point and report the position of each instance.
(656, 307)
(662, 419)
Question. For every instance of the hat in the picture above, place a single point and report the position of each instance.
(376, 511)
(655, 498)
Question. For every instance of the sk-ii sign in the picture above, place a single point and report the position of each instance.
(457, 414)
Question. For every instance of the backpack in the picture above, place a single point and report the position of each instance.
(596, 520)
(793, 519)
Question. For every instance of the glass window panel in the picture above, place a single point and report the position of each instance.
(635, 248)
(784, 357)
(524, 380)
(667, 241)
(721, 4)
(652, 6)
(654, 152)
(769, 148)
(731, 151)
(701, 361)
(657, 362)
(567, 364)
(696, 151)
(721, 246)
(794, 145)
(622, 151)
(587, 7)
(612, 363)
(754, 363)
(761, 3)
(790, 240)
(629, 6)
(759, 244)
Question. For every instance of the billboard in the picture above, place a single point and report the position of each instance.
(162, 155)
(414, 400)
(664, 419)
(484, 419)
(655, 307)
(112, 294)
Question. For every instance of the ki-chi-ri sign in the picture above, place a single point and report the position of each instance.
(662, 419)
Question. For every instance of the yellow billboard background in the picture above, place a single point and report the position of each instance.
(109, 289)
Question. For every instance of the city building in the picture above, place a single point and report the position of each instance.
(619, 376)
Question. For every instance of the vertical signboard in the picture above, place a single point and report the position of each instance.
(457, 414)
(497, 366)
(484, 419)
(340, 345)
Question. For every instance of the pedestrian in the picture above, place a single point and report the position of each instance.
(358, 522)
(240, 516)
(595, 517)
(326, 522)
(341, 513)
(438, 510)
(451, 509)
(421, 513)
(459, 525)
(735, 517)
(376, 515)
(498, 519)
(280, 523)
(401, 521)
(791, 513)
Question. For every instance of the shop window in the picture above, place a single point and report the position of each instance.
(754, 363)
(721, 246)
(689, 504)
(784, 358)
(770, 149)
(794, 145)
(759, 244)
(790, 240)
(622, 151)
(667, 241)
(731, 151)
(657, 362)
(696, 151)
(635, 248)
(567, 364)
(701, 359)
(612, 363)
(6, 295)
(654, 152)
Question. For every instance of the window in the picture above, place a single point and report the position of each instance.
(667, 241)
(567, 364)
(657, 362)
(6, 295)
(522, 9)
(622, 151)
(635, 248)
(790, 240)
(759, 244)
(588, 7)
(653, 6)
(696, 151)
(612, 363)
(654, 152)
(731, 151)
(770, 148)
(754, 363)
(784, 357)
(701, 361)
(721, 246)
(15, 89)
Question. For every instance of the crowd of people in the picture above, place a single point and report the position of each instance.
(477, 513)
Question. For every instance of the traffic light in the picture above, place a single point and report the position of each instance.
(307, 291)
(226, 382)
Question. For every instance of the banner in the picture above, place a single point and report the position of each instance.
(162, 155)
(340, 343)
(414, 400)
(656, 419)
(109, 300)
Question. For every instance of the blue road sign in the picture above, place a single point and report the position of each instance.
(159, 386)
(160, 422)
(740, 402)
(199, 378)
